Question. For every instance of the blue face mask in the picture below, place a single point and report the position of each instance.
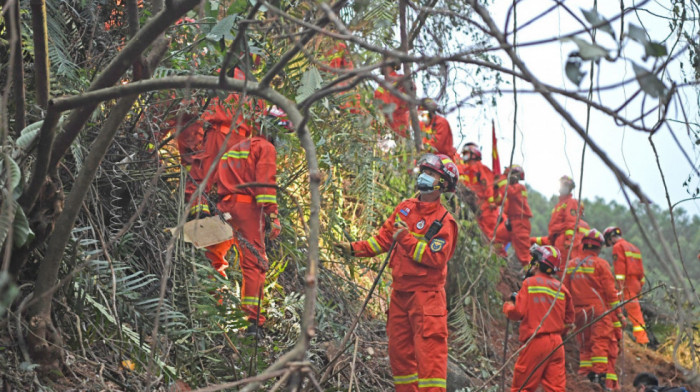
(425, 183)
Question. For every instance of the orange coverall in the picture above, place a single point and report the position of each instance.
(611, 381)
(438, 136)
(592, 286)
(562, 223)
(399, 120)
(518, 212)
(629, 273)
(531, 304)
(216, 123)
(479, 178)
(250, 161)
(417, 320)
(338, 57)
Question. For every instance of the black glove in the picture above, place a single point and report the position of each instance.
(508, 226)
(512, 296)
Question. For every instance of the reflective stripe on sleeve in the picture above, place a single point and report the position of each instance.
(633, 255)
(419, 251)
(617, 324)
(585, 364)
(569, 232)
(637, 328)
(620, 277)
(599, 359)
(236, 155)
(374, 245)
(611, 376)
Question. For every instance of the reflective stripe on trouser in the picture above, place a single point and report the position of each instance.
(247, 221)
(611, 381)
(634, 312)
(551, 374)
(519, 237)
(594, 341)
(417, 331)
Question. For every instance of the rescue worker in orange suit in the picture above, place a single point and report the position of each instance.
(252, 210)
(217, 128)
(438, 134)
(592, 286)
(479, 178)
(425, 234)
(611, 380)
(394, 108)
(629, 274)
(529, 306)
(516, 227)
(338, 59)
(562, 224)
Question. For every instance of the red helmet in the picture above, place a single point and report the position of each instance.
(473, 151)
(568, 181)
(551, 257)
(518, 170)
(609, 232)
(443, 165)
(593, 238)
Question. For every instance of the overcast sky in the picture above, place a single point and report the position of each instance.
(545, 144)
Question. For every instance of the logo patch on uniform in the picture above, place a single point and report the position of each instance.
(614, 257)
(437, 244)
(573, 212)
(420, 224)
(404, 211)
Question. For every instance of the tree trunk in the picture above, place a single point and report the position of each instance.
(17, 71)
(41, 51)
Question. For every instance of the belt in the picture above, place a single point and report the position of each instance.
(238, 198)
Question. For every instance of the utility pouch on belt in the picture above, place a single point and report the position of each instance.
(434, 228)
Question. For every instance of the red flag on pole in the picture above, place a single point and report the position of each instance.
(495, 160)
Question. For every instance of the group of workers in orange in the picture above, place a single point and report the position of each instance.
(229, 156)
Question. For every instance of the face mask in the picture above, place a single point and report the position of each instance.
(424, 117)
(563, 191)
(425, 183)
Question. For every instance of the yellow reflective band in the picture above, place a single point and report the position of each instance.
(250, 301)
(429, 131)
(490, 199)
(617, 324)
(569, 232)
(446, 160)
(419, 251)
(524, 193)
(432, 382)
(538, 240)
(200, 208)
(611, 376)
(380, 89)
(642, 280)
(620, 277)
(266, 199)
(585, 364)
(501, 183)
(633, 255)
(583, 270)
(615, 303)
(583, 230)
(547, 291)
(637, 328)
(374, 245)
(599, 359)
(409, 379)
(236, 155)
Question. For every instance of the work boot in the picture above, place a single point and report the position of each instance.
(254, 329)
(598, 379)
